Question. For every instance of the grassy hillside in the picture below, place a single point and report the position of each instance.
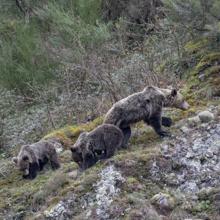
(37, 199)
(63, 65)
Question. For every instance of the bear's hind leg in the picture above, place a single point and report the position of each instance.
(166, 121)
(42, 163)
(127, 134)
(55, 164)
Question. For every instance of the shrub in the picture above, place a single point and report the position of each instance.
(88, 10)
(54, 32)
(24, 61)
(69, 29)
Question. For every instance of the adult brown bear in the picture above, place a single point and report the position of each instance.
(32, 158)
(147, 106)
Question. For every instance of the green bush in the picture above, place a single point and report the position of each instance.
(70, 29)
(188, 26)
(88, 10)
(56, 31)
(194, 16)
(24, 61)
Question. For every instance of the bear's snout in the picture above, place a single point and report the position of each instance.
(185, 105)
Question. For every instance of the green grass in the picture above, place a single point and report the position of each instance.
(50, 187)
(68, 135)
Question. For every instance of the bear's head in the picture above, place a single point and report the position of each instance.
(77, 155)
(80, 149)
(23, 164)
(175, 99)
(83, 153)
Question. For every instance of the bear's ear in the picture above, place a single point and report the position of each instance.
(173, 92)
(15, 160)
(73, 149)
(25, 158)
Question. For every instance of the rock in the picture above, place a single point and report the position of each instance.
(185, 129)
(218, 110)
(163, 201)
(173, 179)
(38, 216)
(217, 167)
(146, 212)
(202, 77)
(194, 121)
(216, 200)
(189, 188)
(194, 166)
(106, 189)
(215, 148)
(209, 154)
(196, 147)
(204, 193)
(180, 123)
(165, 148)
(192, 219)
(206, 116)
(179, 213)
(73, 174)
(56, 212)
(190, 154)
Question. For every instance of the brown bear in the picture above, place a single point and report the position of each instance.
(101, 143)
(32, 158)
(147, 106)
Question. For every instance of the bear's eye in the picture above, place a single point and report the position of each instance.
(25, 158)
(98, 152)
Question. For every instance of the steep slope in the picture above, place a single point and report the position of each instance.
(174, 178)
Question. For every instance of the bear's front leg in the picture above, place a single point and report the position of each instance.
(88, 161)
(155, 122)
(54, 161)
(33, 169)
(127, 134)
(166, 121)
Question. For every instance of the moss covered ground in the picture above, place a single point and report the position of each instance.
(24, 199)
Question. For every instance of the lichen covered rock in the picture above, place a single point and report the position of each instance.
(206, 116)
(163, 201)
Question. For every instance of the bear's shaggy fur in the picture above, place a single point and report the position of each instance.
(147, 106)
(32, 158)
(101, 143)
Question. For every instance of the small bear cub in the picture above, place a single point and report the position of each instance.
(101, 143)
(32, 158)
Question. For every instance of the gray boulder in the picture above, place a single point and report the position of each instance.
(206, 116)
(194, 121)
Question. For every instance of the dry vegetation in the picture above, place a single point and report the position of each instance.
(63, 64)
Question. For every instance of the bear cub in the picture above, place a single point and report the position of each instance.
(32, 158)
(101, 143)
